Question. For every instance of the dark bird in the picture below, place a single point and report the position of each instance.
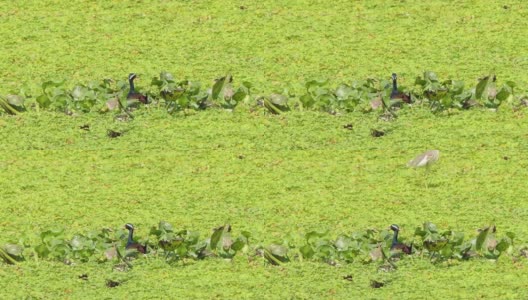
(395, 94)
(113, 134)
(111, 283)
(376, 284)
(132, 94)
(397, 245)
(131, 244)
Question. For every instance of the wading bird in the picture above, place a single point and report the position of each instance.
(425, 159)
(395, 94)
(132, 94)
(131, 244)
(397, 246)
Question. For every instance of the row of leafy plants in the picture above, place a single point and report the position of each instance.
(167, 92)
(173, 245)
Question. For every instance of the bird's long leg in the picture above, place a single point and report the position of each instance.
(418, 179)
(427, 167)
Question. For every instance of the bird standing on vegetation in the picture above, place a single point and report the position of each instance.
(132, 94)
(395, 94)
(131, 244)
(397, 245)
(425, 159)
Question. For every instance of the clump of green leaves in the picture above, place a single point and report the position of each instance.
(451, 244)
(183, 95)
(173, 245)
(175, 95)
(177, 245)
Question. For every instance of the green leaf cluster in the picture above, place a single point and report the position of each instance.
(176, 245)
(175, 95)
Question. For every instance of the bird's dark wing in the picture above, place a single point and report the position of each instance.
(137, 96)
(402, 247)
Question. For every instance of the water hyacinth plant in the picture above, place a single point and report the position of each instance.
(182, 95)
(173, 245)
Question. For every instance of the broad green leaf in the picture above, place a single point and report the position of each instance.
(343, 91)
(78, 92)
(166, 76)
(504, 93)
(307, 251)
(313, 84)
(446, 252)
(247, 234)
(481, 238)
(183, 101)
(165, 226)
(342, 243)
(313, 236)
(219, 85)
(430, 227)
(278, 99)
(217, 235)
(503, 245)
(278, 250)
(7, 107)
(325, 251)
(42, 250)
(248, 85)
(430, 76)
(52, 83)
(6, 257)
(239, 96)
(307, 101)
(15, 100)
(77, 242)
(457, 87)
(240, 243)
(481, 87)
(457, 238)
(13, 250)
(43, 101)
(49, 235)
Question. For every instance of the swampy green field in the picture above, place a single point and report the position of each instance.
(276, 176)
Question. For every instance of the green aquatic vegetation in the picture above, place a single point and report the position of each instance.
(256, 172)
(174, 246)
(175, 96)
(269, 174)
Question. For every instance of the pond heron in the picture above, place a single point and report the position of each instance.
(425, 159)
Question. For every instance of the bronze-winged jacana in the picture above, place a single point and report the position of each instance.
(131, 244)
(395, 94)
(397, 246)
(132, 94)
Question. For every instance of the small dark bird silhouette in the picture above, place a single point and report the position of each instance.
(132, 94)
(397, 245)
(395, 94)
(131, 244)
